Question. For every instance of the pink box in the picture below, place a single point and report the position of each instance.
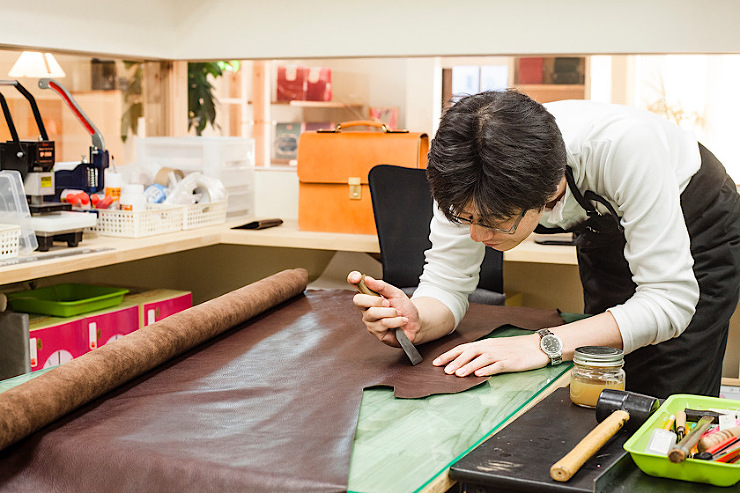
(318, 84)
(157, 310)
(106, 326)
(291, 83)
(157, 304)
(55, 340)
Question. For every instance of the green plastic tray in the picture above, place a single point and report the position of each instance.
(66, 300)
(700, 471)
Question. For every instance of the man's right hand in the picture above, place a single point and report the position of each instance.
(382, 315)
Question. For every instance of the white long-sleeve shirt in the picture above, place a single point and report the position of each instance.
(638, 162)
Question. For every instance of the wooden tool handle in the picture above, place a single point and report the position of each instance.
(565, 468)
(680, 424)
(362, 287)
(720, 436)
(681, 451)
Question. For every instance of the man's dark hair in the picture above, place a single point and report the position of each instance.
(500, 151)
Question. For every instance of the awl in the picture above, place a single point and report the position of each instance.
(406, 344)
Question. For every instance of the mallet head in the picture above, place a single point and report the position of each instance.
(639, 406)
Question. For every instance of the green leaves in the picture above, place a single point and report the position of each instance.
(201, 100)
(132, 99)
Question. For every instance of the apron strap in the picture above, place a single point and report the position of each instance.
(584, 199)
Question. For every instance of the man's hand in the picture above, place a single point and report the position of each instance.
(493, 355)
(382, 315)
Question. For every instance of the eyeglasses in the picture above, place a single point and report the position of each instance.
(467, 218)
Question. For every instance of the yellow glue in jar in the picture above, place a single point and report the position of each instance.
(595, 368)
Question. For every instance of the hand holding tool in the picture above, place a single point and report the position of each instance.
(614, 409)
(403, 339)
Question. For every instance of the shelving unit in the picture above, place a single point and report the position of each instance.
(251, 110)
(549, 89)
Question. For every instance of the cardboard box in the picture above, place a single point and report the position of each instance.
(531, 70)
(318, 84)
(291, 83)
(286, 140)
(156, 304)
(55, 340)
(108, 325)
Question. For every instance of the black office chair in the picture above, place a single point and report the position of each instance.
(402, 205)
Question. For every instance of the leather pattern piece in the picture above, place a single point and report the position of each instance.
(268, 406)
(425, 379)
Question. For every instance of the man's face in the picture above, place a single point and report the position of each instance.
(504, 235)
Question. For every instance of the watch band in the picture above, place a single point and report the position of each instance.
(555, 357)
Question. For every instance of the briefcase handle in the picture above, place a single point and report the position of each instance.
(363, 123)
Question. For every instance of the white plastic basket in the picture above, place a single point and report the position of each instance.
(157, 219)
(9, 239)
(206, 214)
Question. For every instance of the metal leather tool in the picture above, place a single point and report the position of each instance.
(406, 344)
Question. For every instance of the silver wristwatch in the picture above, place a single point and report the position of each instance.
(551, 345)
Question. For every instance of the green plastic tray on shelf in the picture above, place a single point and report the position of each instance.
(700, 471)
(66, 300)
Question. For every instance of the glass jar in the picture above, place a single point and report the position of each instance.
(596, 368)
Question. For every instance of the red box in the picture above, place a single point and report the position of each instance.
(318, 84)
(531, 70)
(291, 83)
(55, 340)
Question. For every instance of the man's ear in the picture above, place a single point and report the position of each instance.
(562, 187)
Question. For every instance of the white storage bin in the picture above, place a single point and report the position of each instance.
(210, 155)
(230, 159)
(157, 219)
(9, 240)
(206, 214)
(240, 201)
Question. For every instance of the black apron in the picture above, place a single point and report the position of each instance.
(692, 362)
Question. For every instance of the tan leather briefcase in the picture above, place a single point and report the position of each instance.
(333, 193)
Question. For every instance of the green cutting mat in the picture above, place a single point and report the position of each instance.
(401, 445)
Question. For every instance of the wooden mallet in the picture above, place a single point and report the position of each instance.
(614, 409)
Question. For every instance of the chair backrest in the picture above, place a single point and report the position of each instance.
(402, 205)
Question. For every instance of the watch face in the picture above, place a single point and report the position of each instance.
(551, 344)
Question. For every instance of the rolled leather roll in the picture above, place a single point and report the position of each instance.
(42, 400)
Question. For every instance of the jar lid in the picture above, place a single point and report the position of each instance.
(598, 356)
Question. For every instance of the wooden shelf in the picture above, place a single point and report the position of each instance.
(117, 250)
(545, 93)
(322, 104)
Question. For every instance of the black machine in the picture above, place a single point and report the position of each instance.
(34, 159)
(87, 176)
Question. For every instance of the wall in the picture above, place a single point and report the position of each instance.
(134, 28)
(227, 29)
(441, 27)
